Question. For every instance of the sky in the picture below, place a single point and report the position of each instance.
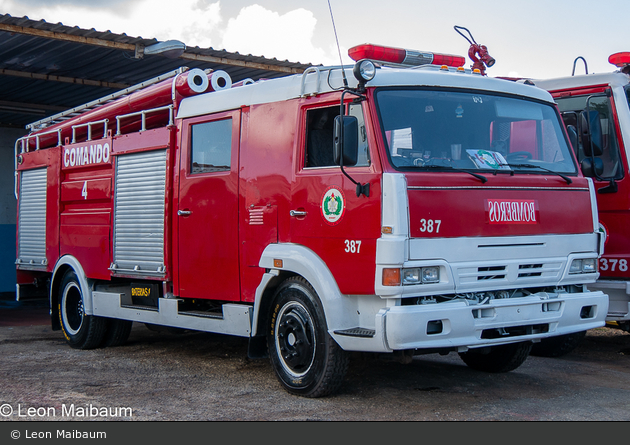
(534, 38)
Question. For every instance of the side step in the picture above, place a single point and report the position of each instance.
(357, 332)
(236, 319)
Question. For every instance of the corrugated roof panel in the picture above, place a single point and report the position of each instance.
(28, 48)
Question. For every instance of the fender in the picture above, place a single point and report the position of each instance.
(86, 283)
(303, 261)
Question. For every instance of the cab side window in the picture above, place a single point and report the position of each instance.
(572, 108)
(319, 136)
(211, 146)
(320, 125)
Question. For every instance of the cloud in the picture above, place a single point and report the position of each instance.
(261, 32)
(190, 21)
(255, 30)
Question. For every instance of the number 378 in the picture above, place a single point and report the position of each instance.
(613, 264)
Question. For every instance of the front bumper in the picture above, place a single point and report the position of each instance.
(460, 325)
(618, 298)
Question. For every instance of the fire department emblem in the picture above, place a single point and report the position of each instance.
(333, 205)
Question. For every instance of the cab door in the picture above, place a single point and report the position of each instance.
(326, 214)
(207, 212)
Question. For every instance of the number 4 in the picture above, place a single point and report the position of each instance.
(84, 191)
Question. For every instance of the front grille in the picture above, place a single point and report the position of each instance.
(515, 331)
(491, 273)
(508, 273)
(530, 270)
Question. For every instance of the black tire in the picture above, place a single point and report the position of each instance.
(502, 358)
(117, 332)
(81, 331)
(624, 325)
(307, 361)
(557, 346)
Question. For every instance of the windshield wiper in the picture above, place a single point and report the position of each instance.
(566, 178)
(482, 178)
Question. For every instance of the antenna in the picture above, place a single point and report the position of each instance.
(343, 72)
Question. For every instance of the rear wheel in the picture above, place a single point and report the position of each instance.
(502, 358)
(82, 331)
(557, 346)
(307, 361)
(117, 332)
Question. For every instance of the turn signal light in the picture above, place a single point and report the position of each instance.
(391, 277)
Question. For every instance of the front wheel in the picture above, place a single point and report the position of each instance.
(558, 346)
(502, 358)
(307, 361)
(82, 331)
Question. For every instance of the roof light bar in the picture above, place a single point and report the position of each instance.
(620, 59)
(401, 56)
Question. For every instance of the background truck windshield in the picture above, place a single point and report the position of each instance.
(425, 129)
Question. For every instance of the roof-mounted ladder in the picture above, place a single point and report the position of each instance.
(73, 112)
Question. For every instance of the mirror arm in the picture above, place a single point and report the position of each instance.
(362, 189)
(610, 188)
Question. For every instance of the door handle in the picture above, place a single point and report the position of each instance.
(297, 213)
(183, 212)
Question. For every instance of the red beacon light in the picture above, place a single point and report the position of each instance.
(621, 60)
(406, 57)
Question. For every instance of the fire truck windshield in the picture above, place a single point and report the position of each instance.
(425, 129)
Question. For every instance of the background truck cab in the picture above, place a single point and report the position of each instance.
(595, 109)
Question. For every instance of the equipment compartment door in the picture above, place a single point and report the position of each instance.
(207, 214)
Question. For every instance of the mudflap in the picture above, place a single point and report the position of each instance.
(257, 347)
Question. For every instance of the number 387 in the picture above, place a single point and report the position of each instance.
(430, 225)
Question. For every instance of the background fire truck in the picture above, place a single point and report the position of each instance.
(400, 211)
(596, 111)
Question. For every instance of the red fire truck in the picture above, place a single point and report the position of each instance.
(596, 111)
(402, 206)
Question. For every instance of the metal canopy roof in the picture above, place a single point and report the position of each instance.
(46, 68)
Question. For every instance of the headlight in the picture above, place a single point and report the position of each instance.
(430, 274)
(411, 276)
(584, 265)
(364, 71)
(589, 265)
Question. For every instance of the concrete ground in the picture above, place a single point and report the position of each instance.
(199, 376)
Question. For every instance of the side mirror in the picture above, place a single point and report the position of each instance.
(346, 140)
(573, 137)
(592, 138)
(592, 167)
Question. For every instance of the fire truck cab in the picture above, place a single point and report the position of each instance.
(376, 208)
(595, 108)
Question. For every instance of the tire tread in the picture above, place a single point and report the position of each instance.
(557, 346)
(117, 333)
(502, 358)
